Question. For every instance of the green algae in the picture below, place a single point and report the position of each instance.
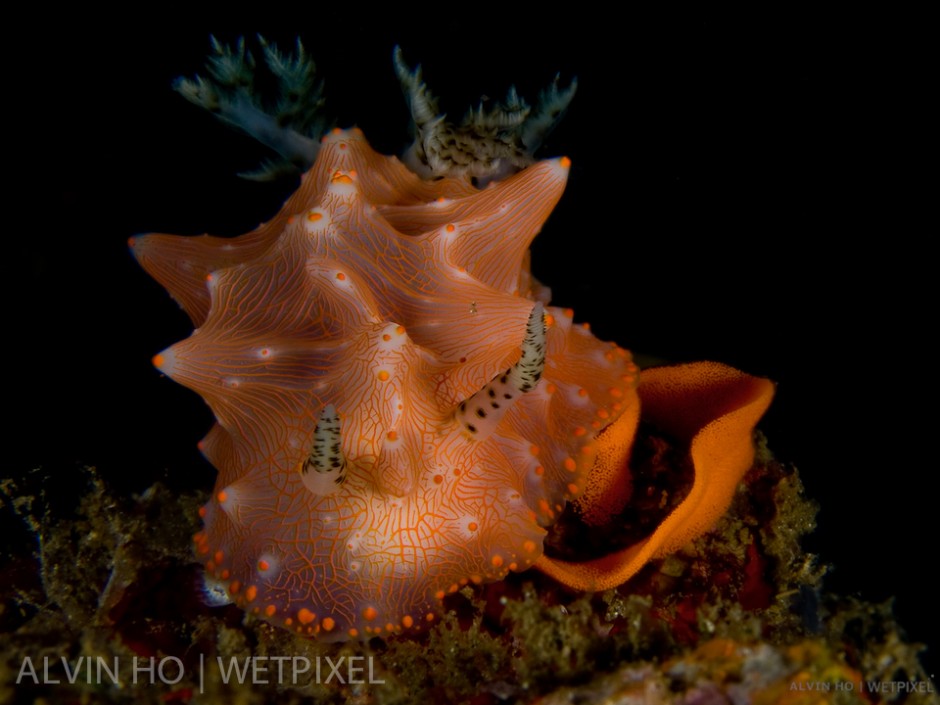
(741, 606)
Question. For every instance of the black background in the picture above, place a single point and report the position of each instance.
(744, 189)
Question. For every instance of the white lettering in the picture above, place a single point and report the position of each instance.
(149, 668)
(112, 674)
(240, 673)
(256, 669)
(371, 677)
(27, 666)
(334, 669)
(181, 671)
(299, 671)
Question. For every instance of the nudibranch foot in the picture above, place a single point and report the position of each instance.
(713, 409)
(295, 123)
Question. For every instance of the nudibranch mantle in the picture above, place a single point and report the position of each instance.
(400, 411)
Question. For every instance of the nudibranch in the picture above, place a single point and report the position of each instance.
(400, 411)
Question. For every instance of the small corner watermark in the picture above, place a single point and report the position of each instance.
(865, 686)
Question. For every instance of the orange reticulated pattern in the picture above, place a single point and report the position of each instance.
(392, 299)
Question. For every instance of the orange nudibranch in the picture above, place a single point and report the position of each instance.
(401, 412)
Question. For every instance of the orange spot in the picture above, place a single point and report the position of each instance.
(565, 163)
(476, 579)
(569, 312)
(570, 464)
(219, 556)
(221, 496)
(210, 566)
(305, 616)
(587, 450)
(288, 622)
(203, 549)
(251, 592)
(353, 632)
(328, 624)
(440, 594)
(314, 217)
(369, 613)
(580, 431)
(438, 479)
(582, 392)
(543, 506)
(263, 565)
(534, 449)
(529, 546)
(472, 526)
(400, 330)
(342, 145)
(450, 228)
(453, 588)
(429, 616)
(549, 320)
(392, 436)
(407, 621)
(609, 356)
(224, 574)
(291, 220)
(202, 512)
(539, 470)
(340, 276)
(551, 388)
(386, 337)
(270, 610)
(383, 375)
(234, 587)
(157, 360)
(497, 561)
(586, 325)
(603, 413)
(336, 131)
(389, 627)
(616, 392)
(573, 488)
(341, 178)
(208, 277)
